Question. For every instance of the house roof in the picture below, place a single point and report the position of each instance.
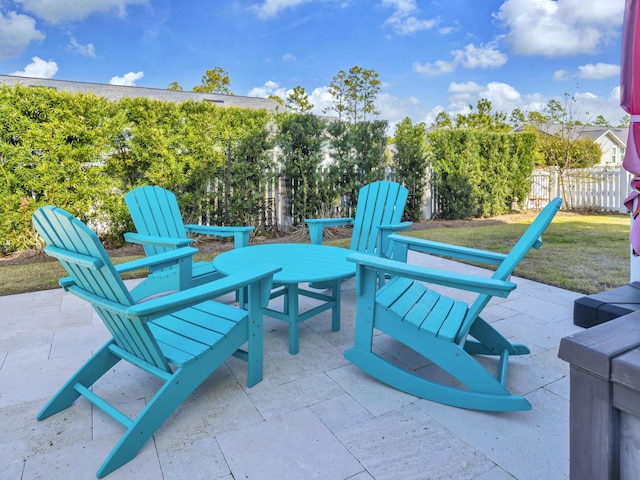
(116, 92)
(595, 132)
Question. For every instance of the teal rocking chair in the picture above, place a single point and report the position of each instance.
(179, 338)
(444, 330)
(160, 228)
(378, 214)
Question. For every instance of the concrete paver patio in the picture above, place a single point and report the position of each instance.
(313, 416)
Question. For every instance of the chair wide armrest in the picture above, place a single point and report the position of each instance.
(386, 231)
(240, 234)
(396, 227)
(402, 243)
(159, 261)
(157, 307)
(316, 225)
(157, 241)
(488, 286)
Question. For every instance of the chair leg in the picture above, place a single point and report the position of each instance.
(163, 404)
(335, 311)
(94, 368)
(490, 341)
(170, 396)
(255, 329)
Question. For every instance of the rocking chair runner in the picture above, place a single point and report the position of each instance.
(180, 338)
(439, 327)
(158, 221)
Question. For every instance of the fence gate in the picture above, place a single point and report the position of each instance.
(598, 188)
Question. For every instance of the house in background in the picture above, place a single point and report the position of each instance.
(612, 140)
(116, 92)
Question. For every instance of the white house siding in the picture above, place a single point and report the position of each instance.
(612, 150)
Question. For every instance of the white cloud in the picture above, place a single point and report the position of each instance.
(561, 75)
(403, 21)
(471, 57)
(505, 98)
(394, 109)
(87, 50)
(450, 29)
(322, 100)
(269, 88)
(271, 8)
(38, 68)
(589, 106)
(57, 11)
(615, 94)
(598, 71)
(590, 71)
(560, 27)
(467, 87)
(439, 67)
(16, 33)
(128, 79)
(289, 57)
(462, 94)
(320, 97)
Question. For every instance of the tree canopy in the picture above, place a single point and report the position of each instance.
(298, 100)
(214, 81)
(354, 93)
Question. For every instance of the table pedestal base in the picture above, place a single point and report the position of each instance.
(291, 308)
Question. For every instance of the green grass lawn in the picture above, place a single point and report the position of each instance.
(583, 253)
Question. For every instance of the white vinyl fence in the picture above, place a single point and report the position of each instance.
(584, 189)
(601, 189)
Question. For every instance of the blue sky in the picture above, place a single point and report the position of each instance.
(431, 56)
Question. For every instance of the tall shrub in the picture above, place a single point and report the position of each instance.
(251, 162)
(357, 151)
(300, 140)
(479, 173)
(52, 147)
(82, 153)
(225, 154)
(147, 149)
(410, 162)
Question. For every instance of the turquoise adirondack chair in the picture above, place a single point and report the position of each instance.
(444, 330)
(180, 338)
(378, 214)
(160, 228)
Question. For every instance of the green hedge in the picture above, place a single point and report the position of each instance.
(479, 173)
(82, 153)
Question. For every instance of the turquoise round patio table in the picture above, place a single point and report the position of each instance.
(318, 265)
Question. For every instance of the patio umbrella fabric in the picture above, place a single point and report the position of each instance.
(630, 102)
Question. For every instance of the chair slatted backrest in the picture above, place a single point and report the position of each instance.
(531, 238)
(155, 212)
(95, 279)
(379, 203)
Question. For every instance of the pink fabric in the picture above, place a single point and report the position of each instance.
(629, 87)
(630, 102)
(631, 202)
